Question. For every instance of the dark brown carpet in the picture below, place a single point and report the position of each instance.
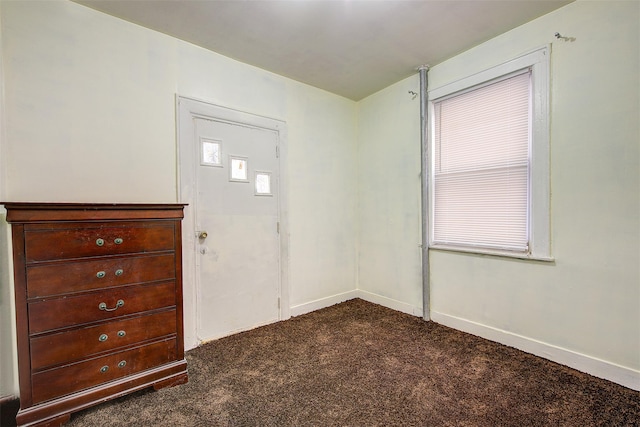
(359, 364)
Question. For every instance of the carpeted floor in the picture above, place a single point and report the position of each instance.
(359, 364)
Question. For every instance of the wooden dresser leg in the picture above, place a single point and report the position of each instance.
(181, 379)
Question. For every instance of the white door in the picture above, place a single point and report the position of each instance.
(236, 218)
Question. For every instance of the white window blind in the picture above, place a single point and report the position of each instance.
(481, 166)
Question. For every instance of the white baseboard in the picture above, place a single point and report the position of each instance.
(389, 303)
(403, 307)
(308, 307)
(598, 368)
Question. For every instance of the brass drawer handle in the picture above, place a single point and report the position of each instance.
(121, 334)
(100, 274)
(103, 337)
(104, 369)
(103, 306)
(119, 272)
(122, 364)
(118, 241)
(100, 242)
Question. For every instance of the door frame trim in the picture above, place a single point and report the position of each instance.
(187, 110)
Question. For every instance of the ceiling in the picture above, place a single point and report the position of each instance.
(351, 48)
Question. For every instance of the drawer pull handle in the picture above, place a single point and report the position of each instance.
(104, 369)
(103, 337)
(100, 274)
(100, 242)
(122, 364)
(103, 306)
(121, 333)
(119, 272)
(118, 241)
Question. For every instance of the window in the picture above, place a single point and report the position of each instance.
(238, 169)
(210, 152)
(489, 161)
(263, 184)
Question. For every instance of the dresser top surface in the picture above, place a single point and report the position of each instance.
(38, 212)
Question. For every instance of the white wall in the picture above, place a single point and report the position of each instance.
(389, 255)
(583, 309)
(91, 118)
(8, 375)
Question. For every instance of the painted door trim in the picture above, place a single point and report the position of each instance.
(187, 110)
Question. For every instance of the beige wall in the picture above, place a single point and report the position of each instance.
(91, 118)
(584, 308)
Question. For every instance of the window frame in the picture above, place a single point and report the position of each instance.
(255, 183)
(539, 237)
(246, 165)
(217, 142)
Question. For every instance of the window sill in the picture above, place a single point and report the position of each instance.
(495, 253)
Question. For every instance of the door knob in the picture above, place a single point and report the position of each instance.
(202, 235)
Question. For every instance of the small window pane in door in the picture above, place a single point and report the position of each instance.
(263, 184)
(238, 169)
(211, 152)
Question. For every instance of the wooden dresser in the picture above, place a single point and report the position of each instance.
(98, 291)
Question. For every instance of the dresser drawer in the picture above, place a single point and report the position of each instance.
(42, 244)
(53, 383)
(55, 313)
(61, 278)
(69, 346)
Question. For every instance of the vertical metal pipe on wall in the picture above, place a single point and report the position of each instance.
(424, 175)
